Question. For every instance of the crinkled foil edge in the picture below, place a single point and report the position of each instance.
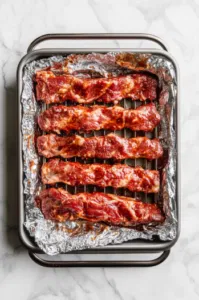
(54, 238)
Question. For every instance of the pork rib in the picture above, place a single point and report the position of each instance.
(117, 176)
(53, 88)
(59, 205)
(104, 147)
(67, 118)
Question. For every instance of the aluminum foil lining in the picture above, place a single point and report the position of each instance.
(54, 238)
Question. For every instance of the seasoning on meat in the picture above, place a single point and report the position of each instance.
(59, 205)
(104, 147)
(117, 176)
(53, 88)
(67, 118)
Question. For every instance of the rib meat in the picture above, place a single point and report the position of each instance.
(52, 88)
(104, 147)
(96, 117)
(117, 176)
(59, 205)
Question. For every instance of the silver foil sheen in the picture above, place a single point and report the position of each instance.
(54, 238)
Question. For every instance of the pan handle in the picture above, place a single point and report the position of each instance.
(113, 263)
(98, 36)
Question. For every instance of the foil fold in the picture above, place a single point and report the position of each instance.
(54, 238)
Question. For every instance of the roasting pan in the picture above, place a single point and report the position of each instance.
(131, 247)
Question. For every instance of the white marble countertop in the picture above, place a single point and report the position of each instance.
(177, 22)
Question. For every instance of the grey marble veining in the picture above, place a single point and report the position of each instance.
(177, 22)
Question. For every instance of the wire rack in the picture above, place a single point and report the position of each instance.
(126, 133)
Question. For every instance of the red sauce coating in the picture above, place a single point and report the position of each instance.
(59, 205)
(55, 88)
(67, 118)
(104, 147)
(103, 175)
